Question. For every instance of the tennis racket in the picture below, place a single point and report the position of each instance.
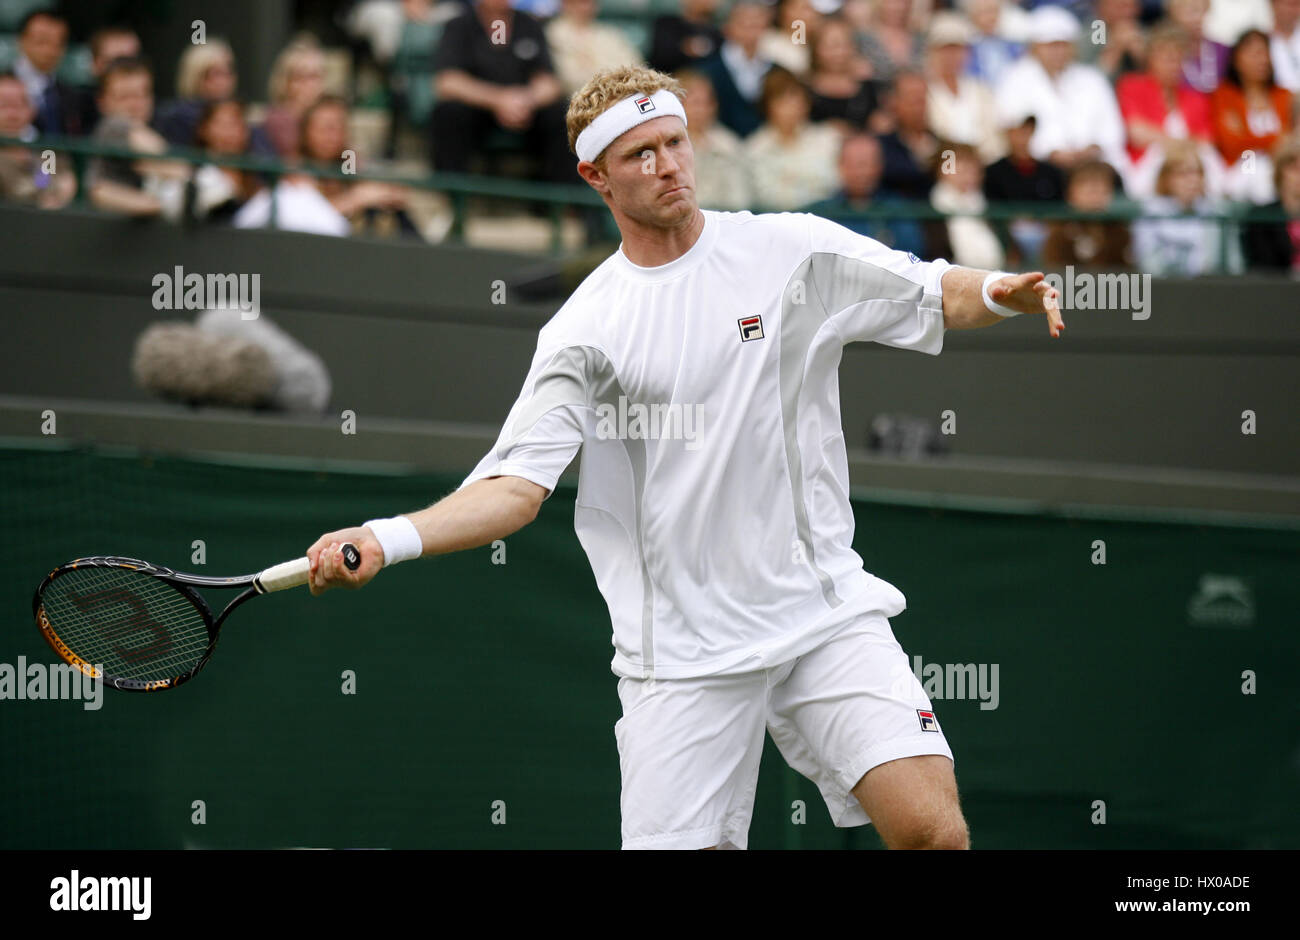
(140, 627)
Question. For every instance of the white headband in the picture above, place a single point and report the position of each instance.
(622, 117)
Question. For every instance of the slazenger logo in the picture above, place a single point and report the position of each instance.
(75, 893)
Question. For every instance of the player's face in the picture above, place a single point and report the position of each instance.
(650, 173)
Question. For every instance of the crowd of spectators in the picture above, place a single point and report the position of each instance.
(1182, 111)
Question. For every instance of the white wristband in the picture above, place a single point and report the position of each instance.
(988, 301)
(398, 537)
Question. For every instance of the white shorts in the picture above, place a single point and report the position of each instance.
(689, 749)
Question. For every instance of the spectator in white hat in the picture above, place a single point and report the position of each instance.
(961, 108)
(1077, 116)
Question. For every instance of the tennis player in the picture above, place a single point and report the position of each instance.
(697, 368)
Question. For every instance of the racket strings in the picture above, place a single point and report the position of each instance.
(132, 624)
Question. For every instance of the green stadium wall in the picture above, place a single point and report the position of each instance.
(479, 682)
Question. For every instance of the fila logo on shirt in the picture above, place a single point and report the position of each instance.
(750, 328)
(928, 721)
(644, 104)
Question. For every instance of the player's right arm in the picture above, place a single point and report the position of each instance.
(475, 515)
(540, 437)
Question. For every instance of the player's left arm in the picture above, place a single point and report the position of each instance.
(963, 298)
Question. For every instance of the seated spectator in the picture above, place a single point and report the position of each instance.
(685, 40)
(788, 40)
(1155, 103)
(42, 41)
(841, 90)
(1206, 59)
(297, 82)
(860, 168)
(581, 47)
(1125, 45)
(106, 45)
(1158, 108)
(1275, 244)
(1174, 238)
(324, 206)
(910, 148)
(23, 176)
(1251, 116)
(143, 187)
(1078, 119)
(991, 51)
(960, 108)
(1285, 44)
(957, 193)
(738, 67)
(221, 190)
(206, 73)
(494, 72)
(1020, 177)
(1089, 243)
(892, 44)
(718, 152)
(791, 161)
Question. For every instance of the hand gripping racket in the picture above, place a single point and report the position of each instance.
(141, 627)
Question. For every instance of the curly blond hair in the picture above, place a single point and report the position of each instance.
(608, 87)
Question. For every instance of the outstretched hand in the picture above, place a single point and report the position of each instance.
(1030, 293)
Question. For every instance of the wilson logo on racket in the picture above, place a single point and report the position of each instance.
(144, 626)
(750, 328)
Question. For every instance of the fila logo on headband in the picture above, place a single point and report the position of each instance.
(644, 104)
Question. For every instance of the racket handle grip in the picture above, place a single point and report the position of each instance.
(296, 573)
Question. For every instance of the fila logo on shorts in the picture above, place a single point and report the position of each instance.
(644, 104)
(928, 721)
(750, 328)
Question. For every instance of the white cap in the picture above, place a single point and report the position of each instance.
(1052, 24)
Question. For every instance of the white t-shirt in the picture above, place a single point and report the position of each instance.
(713, 495)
